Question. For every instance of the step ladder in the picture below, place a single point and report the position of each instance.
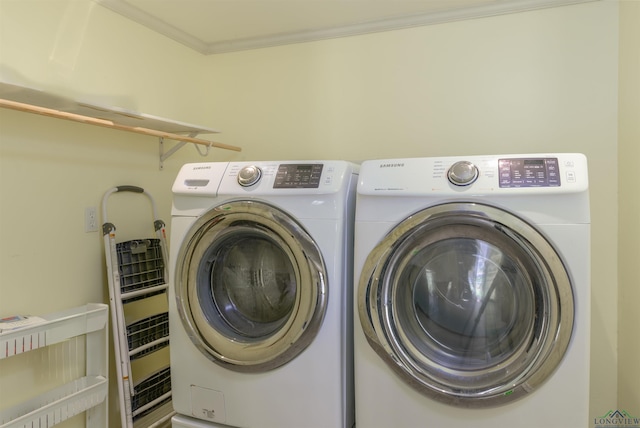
(137, 273)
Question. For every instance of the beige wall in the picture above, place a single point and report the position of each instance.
(629, 247)
(50, 170)
(537, 81)
(81, 49)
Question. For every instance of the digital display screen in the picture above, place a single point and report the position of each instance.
(529, 162)
(539, 172)
(298, 176)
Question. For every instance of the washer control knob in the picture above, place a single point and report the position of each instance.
(249, 175)
(462, 173)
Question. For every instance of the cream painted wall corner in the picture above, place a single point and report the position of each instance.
(629, 223)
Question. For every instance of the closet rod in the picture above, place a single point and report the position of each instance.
(109, 124)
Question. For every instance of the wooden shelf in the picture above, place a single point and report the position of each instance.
(30, 100)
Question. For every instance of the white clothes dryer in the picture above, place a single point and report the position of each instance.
(261, 294)
(472, 292)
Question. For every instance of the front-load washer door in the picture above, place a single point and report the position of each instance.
(467, 303)
(250, 286)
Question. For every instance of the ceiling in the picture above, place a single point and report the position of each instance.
(216, 26)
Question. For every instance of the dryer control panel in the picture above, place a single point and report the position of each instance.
(538, 173)
(529, 172)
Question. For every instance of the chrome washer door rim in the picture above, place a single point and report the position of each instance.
(542, 293)
(301, 323)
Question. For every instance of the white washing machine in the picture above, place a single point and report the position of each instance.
(472, 292)
(261, 294)
(181, 421)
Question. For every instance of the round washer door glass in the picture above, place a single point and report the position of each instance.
(250, 286)
(468, 303)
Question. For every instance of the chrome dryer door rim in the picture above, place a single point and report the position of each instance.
(468, 303)
(250, 286)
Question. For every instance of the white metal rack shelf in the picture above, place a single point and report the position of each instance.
(21, 98)
(86, 394)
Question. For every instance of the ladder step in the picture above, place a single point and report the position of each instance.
(158, 415)
(148, 335)
(140, 264)
(148, 330)
(150, 389)
(143, 293)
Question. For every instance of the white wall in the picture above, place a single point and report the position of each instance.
(537, 81)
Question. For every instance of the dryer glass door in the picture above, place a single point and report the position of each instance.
(250, 286)
(468, 303)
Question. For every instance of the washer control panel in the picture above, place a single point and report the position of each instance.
(298, 176)
(249, 175)
(259, 178)
(529, 172)
(462, 173)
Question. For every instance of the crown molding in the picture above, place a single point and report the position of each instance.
(481, 11)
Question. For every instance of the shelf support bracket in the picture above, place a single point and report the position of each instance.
(165, 155)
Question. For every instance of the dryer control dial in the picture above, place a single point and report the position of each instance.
(249, 175)
(462, 173)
